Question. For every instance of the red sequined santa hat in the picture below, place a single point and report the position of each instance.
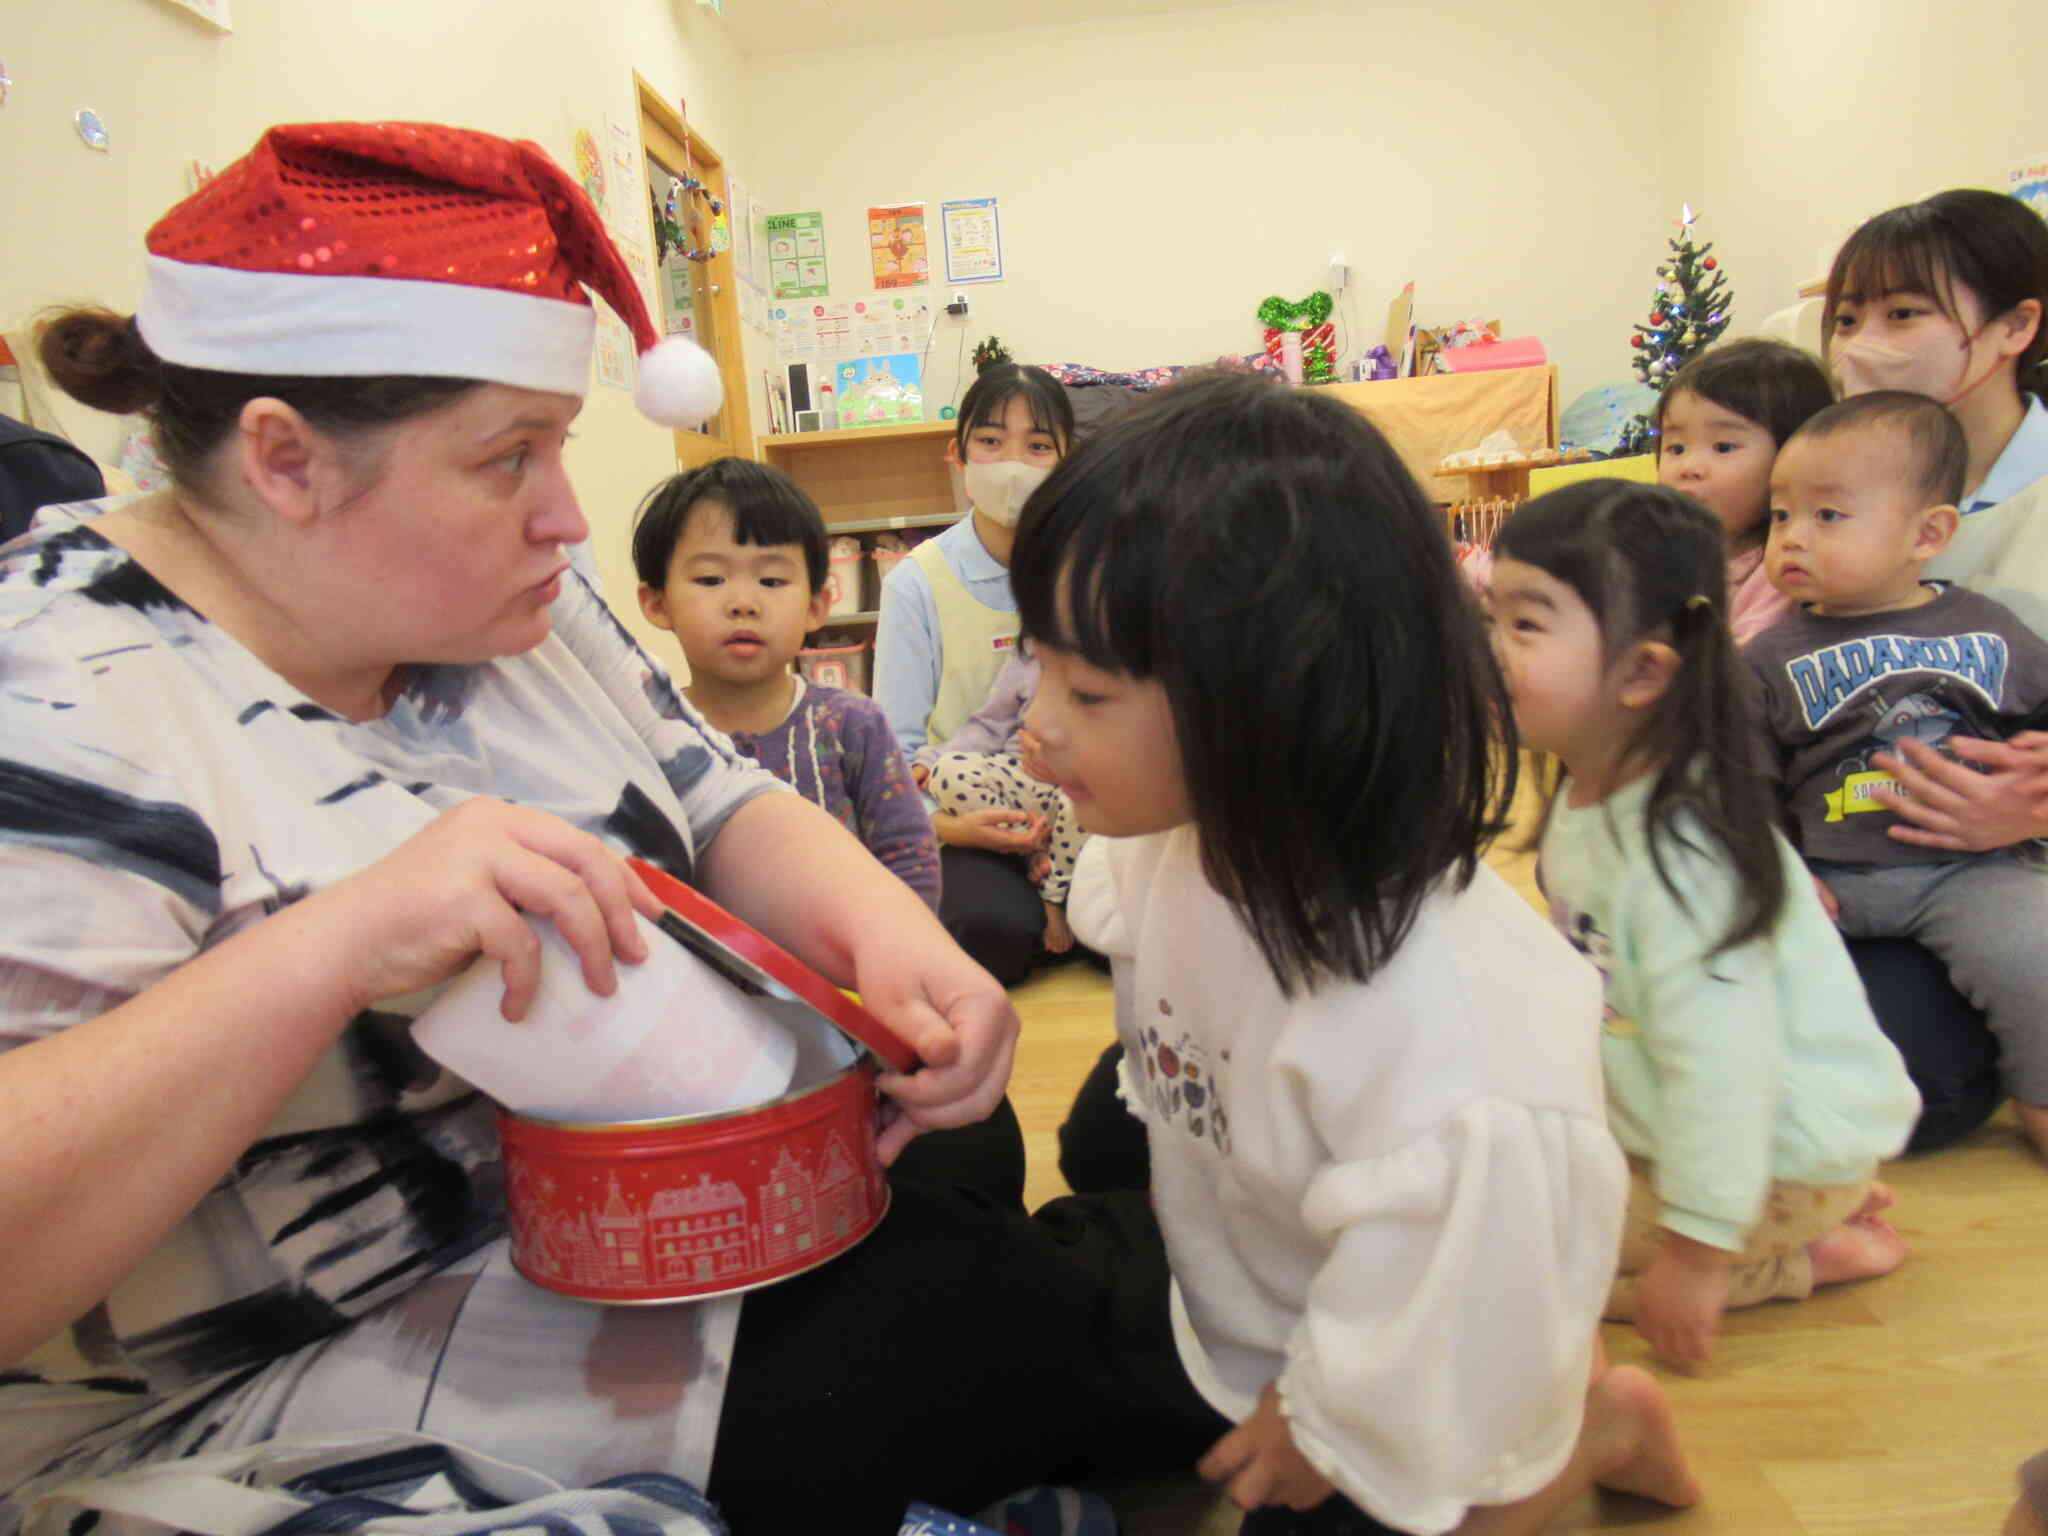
(359, 249)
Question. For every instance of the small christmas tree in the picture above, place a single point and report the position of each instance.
(1688, 310)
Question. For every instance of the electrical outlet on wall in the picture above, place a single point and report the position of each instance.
(958, 308)
(1340, 273)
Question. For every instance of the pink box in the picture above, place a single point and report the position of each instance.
(1518, 352)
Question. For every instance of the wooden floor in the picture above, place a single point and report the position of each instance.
(1896, 1406)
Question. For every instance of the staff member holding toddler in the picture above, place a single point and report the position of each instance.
(1945, 298)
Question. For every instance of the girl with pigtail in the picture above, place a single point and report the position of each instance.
(1746, 1078)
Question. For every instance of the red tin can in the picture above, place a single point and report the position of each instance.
(669, 1210)
(652, 1211)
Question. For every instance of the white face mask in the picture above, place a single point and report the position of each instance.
(1863, 363)
(1000, 490)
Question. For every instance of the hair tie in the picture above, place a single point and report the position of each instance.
(1699, 602)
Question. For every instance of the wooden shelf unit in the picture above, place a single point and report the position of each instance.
(868, 479)
(872, 480)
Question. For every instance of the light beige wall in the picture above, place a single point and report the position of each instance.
(1788, 122)
(1159, 176)
(170, 89)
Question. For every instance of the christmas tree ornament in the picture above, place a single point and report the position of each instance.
(1687, 315)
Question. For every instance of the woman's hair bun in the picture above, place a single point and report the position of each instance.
(100, 359)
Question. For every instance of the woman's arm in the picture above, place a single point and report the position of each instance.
(793, 872)
(907, 654)
(118, 1126)
(1945, 804)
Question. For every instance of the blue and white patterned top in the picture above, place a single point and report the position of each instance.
(160, 790)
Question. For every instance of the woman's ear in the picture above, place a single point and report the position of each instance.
(1646, 671)
(953, 450)
(281, 457)
(2022, 323)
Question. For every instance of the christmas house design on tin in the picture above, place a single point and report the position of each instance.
(697, 1233)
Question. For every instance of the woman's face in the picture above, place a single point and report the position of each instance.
(454, 551)
(1014, 437)
(1905, 340)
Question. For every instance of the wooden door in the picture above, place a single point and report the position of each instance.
(712, 292)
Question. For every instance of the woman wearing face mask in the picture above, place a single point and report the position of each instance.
(1945, 298)
(948, 624)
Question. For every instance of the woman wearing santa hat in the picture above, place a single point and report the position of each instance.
(284, 747)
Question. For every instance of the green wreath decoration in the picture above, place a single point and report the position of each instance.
(1276, 314)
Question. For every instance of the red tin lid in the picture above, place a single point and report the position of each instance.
(753, 962)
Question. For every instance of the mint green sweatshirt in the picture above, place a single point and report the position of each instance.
(1762, 1063)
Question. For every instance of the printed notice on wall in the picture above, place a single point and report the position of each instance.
(882, 323)
(737, 204)
(796, 255)
(896, 245)
(614, 351)
(974, 240)
(2028, 181)
(627, 212)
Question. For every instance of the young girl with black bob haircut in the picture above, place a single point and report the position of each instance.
(1719, 425)
(1746, 1078)
(1367, 1071)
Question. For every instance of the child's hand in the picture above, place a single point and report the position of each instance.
(994, 827)
(1257, 1462)
(1680, 1297)
(1829, 905)
(922, 773)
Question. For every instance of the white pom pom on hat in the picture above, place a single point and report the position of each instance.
(356, 249)
(679, 384)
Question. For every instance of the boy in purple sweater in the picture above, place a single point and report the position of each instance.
(732, 561)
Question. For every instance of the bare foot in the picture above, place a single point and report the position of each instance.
(2034, 1121)
(1059, 938)
(1632, 1439)
(1859, 1249)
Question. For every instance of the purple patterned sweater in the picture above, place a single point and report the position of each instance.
(837, 751)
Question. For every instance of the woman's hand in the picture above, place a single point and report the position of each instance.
(1258, 1462)
(1680, 1297)
(1946, 804)
(956, 1017)
(792, 871)
(458, 888)
(995, 828)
